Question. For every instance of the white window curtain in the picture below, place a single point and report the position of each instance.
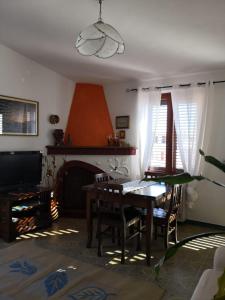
(148, 102)
(189, 110)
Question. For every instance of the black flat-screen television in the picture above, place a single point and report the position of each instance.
(19, 169)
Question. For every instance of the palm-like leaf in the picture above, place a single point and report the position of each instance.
(185, 178)
(170, 252)
(213, 161)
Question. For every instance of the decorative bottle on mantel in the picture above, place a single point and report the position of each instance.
(58, 135)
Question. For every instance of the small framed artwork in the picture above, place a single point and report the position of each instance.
(122, 134)
(18, 116)
(122, 122)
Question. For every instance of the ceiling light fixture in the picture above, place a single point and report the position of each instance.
(100, 39)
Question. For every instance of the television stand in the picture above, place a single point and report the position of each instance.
(22, 211)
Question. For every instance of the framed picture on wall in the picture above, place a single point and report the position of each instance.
(18, 116)
(122, 122)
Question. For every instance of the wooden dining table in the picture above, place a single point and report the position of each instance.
(142, 197)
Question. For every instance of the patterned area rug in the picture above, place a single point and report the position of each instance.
(31, 272)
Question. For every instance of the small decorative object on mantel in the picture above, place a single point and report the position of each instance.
(58, 135)
(113, 141)
(54, 119)
(122, 122)
(122, 134)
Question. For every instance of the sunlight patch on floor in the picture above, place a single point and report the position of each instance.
(116, 260)
(40, 234)
(189, 247)
(47, 233)
(204, 243)
(139, 257)
(198, 245)
(72, 230)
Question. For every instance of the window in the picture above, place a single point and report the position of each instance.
(165, 152)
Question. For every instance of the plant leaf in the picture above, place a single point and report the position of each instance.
(220, 295)
(213, 161)
(201, 152)
(173, 250)
(216, 182)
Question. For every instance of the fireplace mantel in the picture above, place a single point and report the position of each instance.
(71, 150)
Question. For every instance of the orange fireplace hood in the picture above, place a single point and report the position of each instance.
(89, 121)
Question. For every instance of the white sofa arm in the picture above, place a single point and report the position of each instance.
(207, 286)
(219, 259)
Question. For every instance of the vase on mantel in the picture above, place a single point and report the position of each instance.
(58, 135)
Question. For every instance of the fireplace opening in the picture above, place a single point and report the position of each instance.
(70, 179)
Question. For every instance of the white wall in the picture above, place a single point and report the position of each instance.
(121, 103)
(211, 204)
(23, 78)
(210, 207)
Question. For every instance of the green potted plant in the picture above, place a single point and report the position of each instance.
(184, 178)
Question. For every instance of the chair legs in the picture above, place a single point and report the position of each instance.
(139, 236)
(155, 231)
(166, 236)
(123, 239)
(174, 233)
(118, 237)
(170, 230)
(99, 235)
(121, 235)
(113, 235)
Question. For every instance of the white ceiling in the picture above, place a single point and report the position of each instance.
(163, 38)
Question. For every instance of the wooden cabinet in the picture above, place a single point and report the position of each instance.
(24, 211)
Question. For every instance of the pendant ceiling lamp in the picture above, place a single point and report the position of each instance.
(100, 39)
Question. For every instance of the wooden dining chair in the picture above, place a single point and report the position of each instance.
(166, 218)
(112, 212)
(104, 177)
(101, 177)
(151, 175)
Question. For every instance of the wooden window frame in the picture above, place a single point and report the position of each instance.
(170, 141)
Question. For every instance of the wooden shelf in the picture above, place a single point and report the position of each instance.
(69, 150)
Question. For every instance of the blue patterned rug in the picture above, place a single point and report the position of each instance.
(31, 272)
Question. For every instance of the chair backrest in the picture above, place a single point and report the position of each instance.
(107, 192)
(164, 203)
(175, 200)
(109, 198)
(102, 177)
(149, 175)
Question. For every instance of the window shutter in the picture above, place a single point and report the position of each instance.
(158, 159)
(165, 152)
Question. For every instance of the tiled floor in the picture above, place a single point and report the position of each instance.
(178, 276)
